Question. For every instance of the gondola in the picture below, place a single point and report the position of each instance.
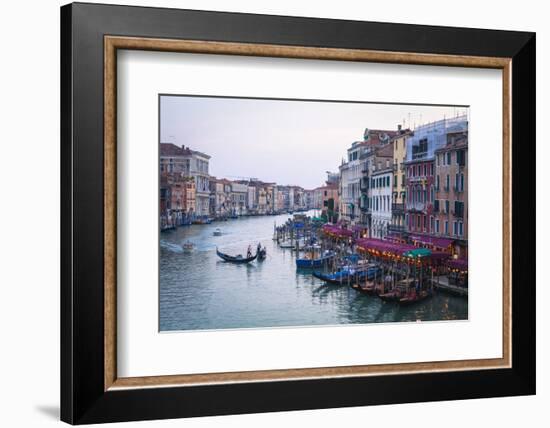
(236, 259)
(262, 254)
(411, 298)
(369, 288)
(342, 276)
(391, 296)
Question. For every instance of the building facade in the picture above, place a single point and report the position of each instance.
(376, 160)
(189, 163)
(422, 181)
(399, 182)
(381, 201)
(451, 191)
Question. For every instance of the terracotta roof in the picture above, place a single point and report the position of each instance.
(169, 149)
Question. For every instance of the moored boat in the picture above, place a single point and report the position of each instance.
(414, 297)
(391, 296)
(309, 263)
(217, 232)
(346, 274)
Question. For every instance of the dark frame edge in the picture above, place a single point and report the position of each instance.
(66, 304)
(524, 220)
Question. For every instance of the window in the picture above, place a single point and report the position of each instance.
(447, 181)
(431, 223)
(455, 229)
(437, 226)
(446, 207)
(462, 182)
(460, 228)
(418, 221)
(436, 205)
(446, 227)
(456, 181)
(459, 209)
(461, 157)
(420, 150)
(425, 222)
(395, 181)
(388, 181)
(403, 180)
(449, 158)
(437, 183)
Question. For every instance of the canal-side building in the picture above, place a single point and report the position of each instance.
(377, 191)
(189, 163)
(375, 159)
(397, 225)
(177, 199)
(252, 199)
(421, 177)
(329, 202)
(239, 197)
(451, 189)
(350, 175)
(220, 197)
(199, 171)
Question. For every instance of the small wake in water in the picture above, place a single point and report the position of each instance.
(175, 248)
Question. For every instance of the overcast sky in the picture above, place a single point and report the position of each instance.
(287, 142)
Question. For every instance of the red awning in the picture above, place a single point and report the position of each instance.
(442, 243)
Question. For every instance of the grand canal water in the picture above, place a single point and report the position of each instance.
(199, 291)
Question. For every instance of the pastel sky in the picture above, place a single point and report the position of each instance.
(287, 142)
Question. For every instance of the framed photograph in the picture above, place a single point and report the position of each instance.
(266, 213)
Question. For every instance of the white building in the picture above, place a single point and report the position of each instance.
(239, 198)
(350, 176)
(381, 201)
(198, 168)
